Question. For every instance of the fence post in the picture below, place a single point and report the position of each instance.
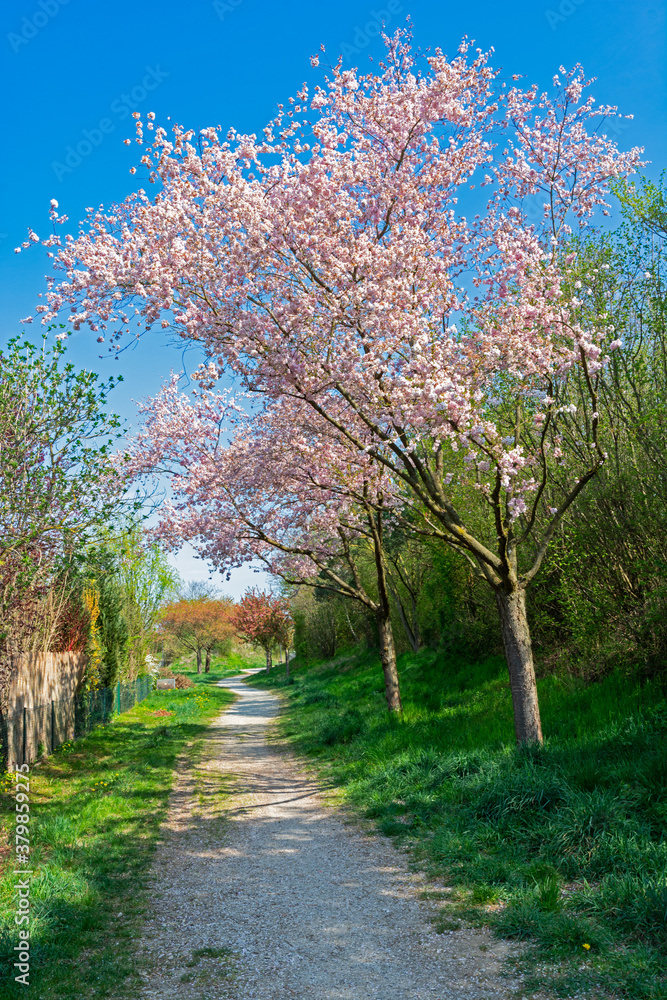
(53, 725)
(118, 698)
(24, 752)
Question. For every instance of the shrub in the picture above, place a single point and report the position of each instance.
(183, 682)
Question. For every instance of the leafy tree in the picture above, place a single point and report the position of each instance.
(200, 625)
(93, 582)
(58, 484)
(197, 590)
(265, 620)
(147, 583)
(604, 597)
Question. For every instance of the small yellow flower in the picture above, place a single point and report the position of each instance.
(587, 947)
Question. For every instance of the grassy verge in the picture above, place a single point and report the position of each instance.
(96, 807)
(563, 847)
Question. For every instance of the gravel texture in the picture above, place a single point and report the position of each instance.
(261, 890)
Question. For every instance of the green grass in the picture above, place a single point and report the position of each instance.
(561, 846)
(96, 806)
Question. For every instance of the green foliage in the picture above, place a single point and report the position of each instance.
(561, 846)
(58, 483)
(435, 601)
(324, 621)
(456, 608)
(603, 595)
(131, 580)
(147, 582)
(55, 447)
(98, 565)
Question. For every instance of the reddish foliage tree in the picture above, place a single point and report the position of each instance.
(200, 625)
(264, 620)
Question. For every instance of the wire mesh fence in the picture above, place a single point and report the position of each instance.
(31, 732)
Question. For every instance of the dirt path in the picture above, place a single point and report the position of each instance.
(268, 894)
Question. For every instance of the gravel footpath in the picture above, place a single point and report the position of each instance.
(265, 892)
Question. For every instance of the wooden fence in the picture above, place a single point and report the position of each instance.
(41, 702)
(46, 707)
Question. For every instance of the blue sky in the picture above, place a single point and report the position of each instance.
(74, 71)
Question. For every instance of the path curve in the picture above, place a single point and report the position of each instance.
(268, 894)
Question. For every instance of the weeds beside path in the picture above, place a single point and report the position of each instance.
(96, 810)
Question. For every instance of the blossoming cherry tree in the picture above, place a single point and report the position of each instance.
(373, 255)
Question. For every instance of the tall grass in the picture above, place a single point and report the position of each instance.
(562, 846)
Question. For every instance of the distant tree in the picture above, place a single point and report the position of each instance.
(199, 625)
(264, 620)
(217, 627)
(197, 590)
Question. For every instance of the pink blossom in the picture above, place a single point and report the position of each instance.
(328, 262)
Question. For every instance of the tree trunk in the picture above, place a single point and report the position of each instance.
(388, 657)
(383, 615)
(208, 661)
(198, 661)
(4, 742)
(519, 655)
(286, 663)
(268, 659)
